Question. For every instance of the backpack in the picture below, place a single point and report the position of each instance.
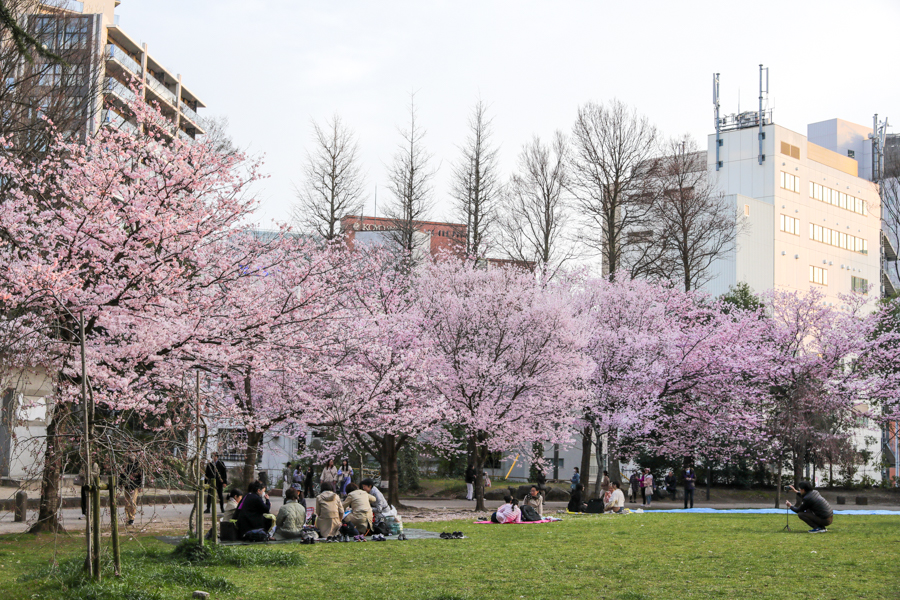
(227, 531)
(381, 527)
(256, 535)
(529, 513)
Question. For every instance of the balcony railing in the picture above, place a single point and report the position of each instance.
(113, 86)
(191, 114)
(161, 90)
(117, 54)
(113, 119)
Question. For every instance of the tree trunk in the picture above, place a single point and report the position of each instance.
(777, 485)
(598, 447)
(387, 456)
(479, 478)
(615, 470)
(586, 459)
(251, 456)
(48, 513)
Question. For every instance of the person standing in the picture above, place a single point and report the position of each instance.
(329, 474)
(308, 482)
(345, 475)
(690, 481)
(132, 480)
(635, 485)
(541, 481)
(576, 479)
(217, 475)
(470, 482)
(671, 482)
(647, 484)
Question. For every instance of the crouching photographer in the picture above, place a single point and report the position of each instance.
(813, 509)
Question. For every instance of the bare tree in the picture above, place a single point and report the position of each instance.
(536, 206)
(692, 225)
(59, 85)
(333, 181)
(476, 186)
(612, 148)
(410, 181)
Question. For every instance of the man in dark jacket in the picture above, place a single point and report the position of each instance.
(671, 484)
(690, 481)
(813, 509)
(308, 483)
(217, 476)
(251, 513)
(470, 482)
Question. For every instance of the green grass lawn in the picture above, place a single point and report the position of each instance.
(632, 557)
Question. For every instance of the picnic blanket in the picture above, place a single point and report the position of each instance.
(411, 534)
(764, 511)
(547, 520)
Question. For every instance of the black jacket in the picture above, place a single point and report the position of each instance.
(309, 478)
(814, 503)
(250, 514)
(470, 475)
(132, 477)
(223, 472)
(575, 502)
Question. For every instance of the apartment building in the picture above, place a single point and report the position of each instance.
(110, 65)
(814, 216)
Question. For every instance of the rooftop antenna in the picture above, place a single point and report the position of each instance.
(718, 121)
(376, 200)
(879, 131)
(762, 134)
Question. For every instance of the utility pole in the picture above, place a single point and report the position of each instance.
(88, 471)
(199, 500)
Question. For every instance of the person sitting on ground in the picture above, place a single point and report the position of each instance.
(534, 499)
(329, 511)
(380, 506)
(576, 504)
(616, 500)
(231, 503)
(360, 504)
(291, 517)
(509, 512)
(255, 510)
(813, 509)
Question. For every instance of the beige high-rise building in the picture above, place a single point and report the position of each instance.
(106, 65)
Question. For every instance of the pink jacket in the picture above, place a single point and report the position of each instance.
(509, 514)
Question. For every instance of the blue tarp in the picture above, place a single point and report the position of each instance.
(764, 511)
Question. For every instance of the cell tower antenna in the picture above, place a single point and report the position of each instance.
(762, 90)
(718, 120)
(879, 132)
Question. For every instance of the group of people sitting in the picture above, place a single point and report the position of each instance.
(612, 495)
(532, 508)
(353, 515)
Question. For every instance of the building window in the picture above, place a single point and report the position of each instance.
(859, 285)
(790, 182)
(836, 198)
(836, 238)
(746, 210)
(790, 225)
(818, 275)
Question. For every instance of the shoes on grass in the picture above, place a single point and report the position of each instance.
(402, 537)
(818, 530)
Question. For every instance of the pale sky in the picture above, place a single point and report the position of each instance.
(270, 66)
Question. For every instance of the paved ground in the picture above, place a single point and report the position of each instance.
(173, 517)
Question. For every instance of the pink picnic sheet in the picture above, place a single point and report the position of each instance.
(549, 520)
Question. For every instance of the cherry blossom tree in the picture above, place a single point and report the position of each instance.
(120, 229)
(378, 391)
(510, 355)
